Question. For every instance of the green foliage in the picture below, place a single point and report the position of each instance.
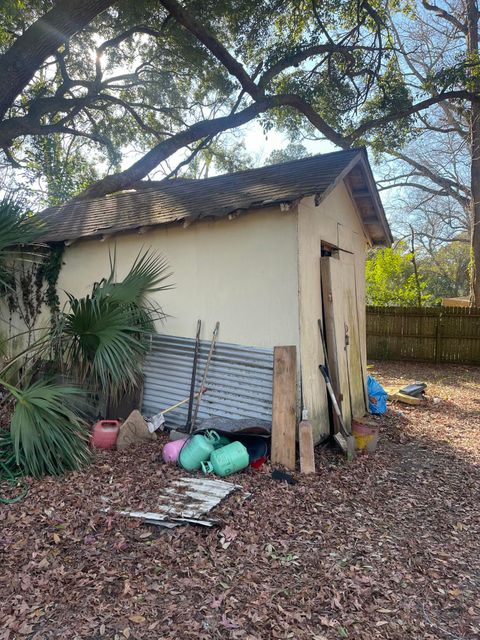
(446, 271)
(47, 434)
(222, 155)
(16, 228)
(390, 95)
(15, 14)
(100, 342)
(62, 165)
(390, 278)
(148, 87)
(293, 151)
(104, 336)
(48, 272)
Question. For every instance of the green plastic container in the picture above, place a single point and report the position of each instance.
(222, 442)
(227, 460)
(197, 450)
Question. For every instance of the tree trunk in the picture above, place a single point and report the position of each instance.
(473, 58)
(415, 268)
(138, 170)
(475, 209)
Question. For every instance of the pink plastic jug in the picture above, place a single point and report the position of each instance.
(172, 449)
(105, 433)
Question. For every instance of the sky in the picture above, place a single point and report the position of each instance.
(257, 142)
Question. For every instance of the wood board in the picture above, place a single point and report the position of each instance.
(284, 406)
(341, 320)
(305, 442)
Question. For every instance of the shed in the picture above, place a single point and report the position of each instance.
(266, 252)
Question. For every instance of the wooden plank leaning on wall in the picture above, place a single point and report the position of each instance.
(284, 406)
(305, 444)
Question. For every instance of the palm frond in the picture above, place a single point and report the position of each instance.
(106, 335)
(16, 229)
(103, 345)
(148, 275)
(48, 436)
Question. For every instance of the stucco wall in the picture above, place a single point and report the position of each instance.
(258, 274)
(242, 272)
(336, 222)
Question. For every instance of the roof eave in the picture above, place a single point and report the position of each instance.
(380, 211)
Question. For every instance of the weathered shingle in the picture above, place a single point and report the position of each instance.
(217, 197)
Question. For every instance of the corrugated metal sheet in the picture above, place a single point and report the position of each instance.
(239, 383)
(185, 501)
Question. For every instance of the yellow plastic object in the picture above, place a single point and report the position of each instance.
(394, 394)
(366, 437)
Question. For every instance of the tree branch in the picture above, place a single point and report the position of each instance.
(203, 144)
(450, 186)
(206, 37)
(446, 16)
(31, 123)
(163, 150)
(40, 41)
(460, 94)
(415, 185)
(305, 54)
(203, 129)
(113, 42)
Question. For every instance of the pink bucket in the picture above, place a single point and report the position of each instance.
(172, 449)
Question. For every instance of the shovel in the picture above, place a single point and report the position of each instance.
(343, 438)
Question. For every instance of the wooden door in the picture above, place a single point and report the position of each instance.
(342, 334)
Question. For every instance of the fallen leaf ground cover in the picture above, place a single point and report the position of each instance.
(387, 546)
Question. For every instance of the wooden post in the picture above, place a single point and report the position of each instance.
(438, 338)
(284, 406)
(305, 442)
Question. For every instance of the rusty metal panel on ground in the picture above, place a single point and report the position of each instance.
(185, 501)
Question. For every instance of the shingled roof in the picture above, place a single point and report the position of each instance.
(173, 202)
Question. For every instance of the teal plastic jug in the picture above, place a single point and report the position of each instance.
(222, 442)
(227, 460)
(197, 450)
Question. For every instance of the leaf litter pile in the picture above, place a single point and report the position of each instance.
(387, 546)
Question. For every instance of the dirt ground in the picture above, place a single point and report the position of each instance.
(387, 546)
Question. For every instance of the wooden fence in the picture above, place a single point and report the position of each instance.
(425, 334)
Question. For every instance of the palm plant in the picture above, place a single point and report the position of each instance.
(47, 433)
(16, 229)
(100, 343)
(105, 335)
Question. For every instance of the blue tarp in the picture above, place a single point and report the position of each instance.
(377, 396)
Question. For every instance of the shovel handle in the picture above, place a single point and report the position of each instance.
(331, 392)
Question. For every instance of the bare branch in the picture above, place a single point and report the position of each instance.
(446, 184)
(415, 185)
(442, 13)
(203, 144)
